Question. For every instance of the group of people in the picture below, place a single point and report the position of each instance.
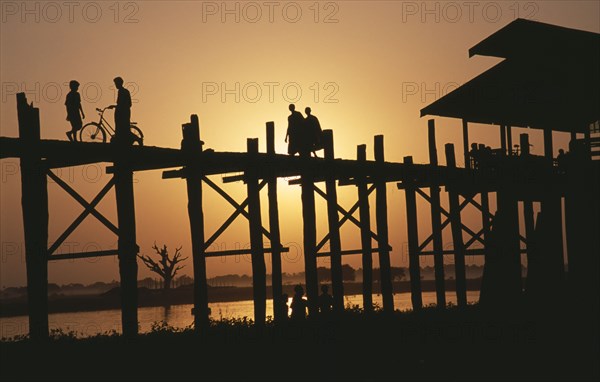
(299, 304)
(75, 114)
(479, 155)
(303, 133)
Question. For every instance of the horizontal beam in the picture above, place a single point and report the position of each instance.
(468, 252)
(350, 252)
(83, 255)
(234, 178)
(233, 252)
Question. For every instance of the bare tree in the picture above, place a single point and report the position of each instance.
(166, 267)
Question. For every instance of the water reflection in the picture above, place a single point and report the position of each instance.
(180, 316)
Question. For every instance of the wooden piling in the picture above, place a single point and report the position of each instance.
(436, 224)
(465, 131)
(527, 204)
(259, 281)
(551, 207)
(509, 143)
(276, 278)
(503, 139)
(34, 194)
(310, 240)
(191, 146)
(365, 234)
(385, 277)
(413, 240)
(457, 239)
(548, 147)
(127, 246)
(507, 226)
(335, 245)
(485, 219)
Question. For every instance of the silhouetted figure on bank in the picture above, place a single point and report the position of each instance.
(298, 304)
(283, 306)
(313, 131)
(75, 112)
(325, 302)
(294, 131)
(122, 112)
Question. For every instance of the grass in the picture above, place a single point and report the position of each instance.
(464, 344)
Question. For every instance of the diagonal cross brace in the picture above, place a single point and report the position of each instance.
(347, 216)
(447, 221)
(89, 208)
(239, 210)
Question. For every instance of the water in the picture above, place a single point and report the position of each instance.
(180, 316)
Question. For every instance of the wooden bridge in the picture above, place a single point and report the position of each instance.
(515, 179)
(40, 157)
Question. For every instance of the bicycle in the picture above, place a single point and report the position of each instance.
(97, 131)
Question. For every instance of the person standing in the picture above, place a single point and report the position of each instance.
(294, 131)
(313, 131)
(75, 112)
(325, 302)
(298, 304)
(122, 111)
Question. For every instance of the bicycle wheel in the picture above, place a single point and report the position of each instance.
(138, 136)
(92, 132)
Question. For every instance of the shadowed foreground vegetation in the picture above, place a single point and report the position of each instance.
(469, 344)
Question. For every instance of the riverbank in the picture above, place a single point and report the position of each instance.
(454, 344)
(184, 295)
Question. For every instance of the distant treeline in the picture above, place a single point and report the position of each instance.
(349, 274)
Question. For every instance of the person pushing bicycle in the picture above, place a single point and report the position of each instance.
(122, 111)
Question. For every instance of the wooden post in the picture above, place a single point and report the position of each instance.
(457, 239)
(334, 228)
(587, 136)
(413, 239)
(503, 139)
(485, 219)
(507, 226)
(310, 240)
(524, 143)
(582, 226)
(509, 139)
(385, 277)
(552, 212)
(436, 223)
(276, 280)
(365, 233)
(527, 204)
(259, 281)
(191, 146)
(548, 148)
(127, 245)
(34, 202)
(465, 128)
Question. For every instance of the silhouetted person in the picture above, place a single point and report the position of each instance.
(283, 306)
(325, 302)
(298, 304)
(561, 160)
(313, 131)
(123, 111)
(474, 154)
(485, 154)
(294, 131)
(75, 112)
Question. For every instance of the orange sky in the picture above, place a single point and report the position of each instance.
(365, 68)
